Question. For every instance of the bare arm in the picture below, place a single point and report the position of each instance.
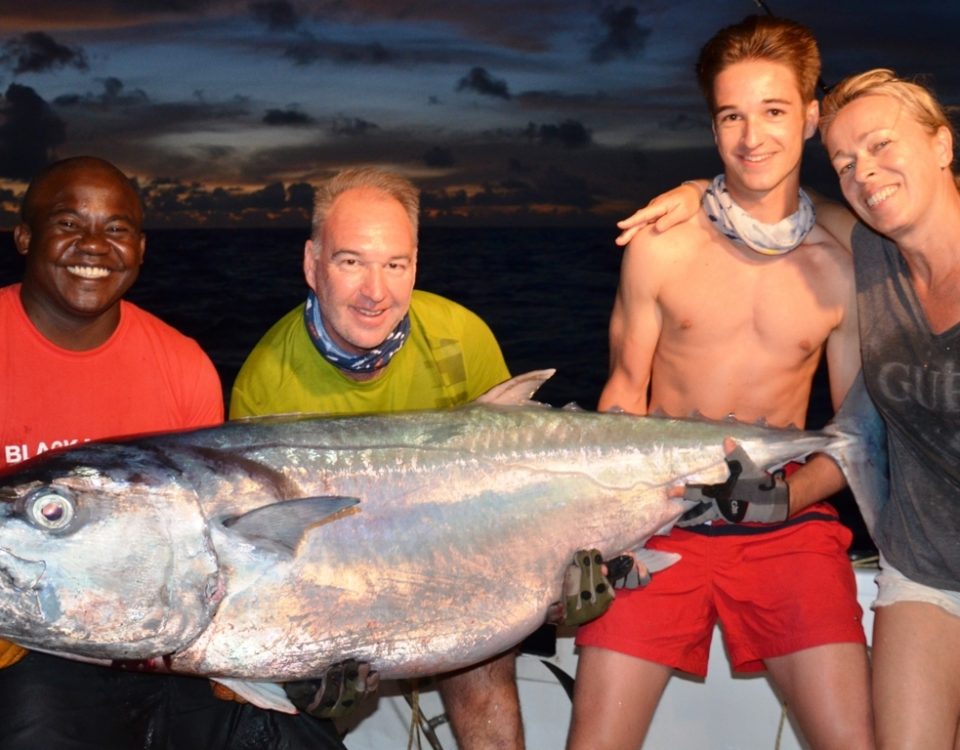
(666, 210)
(634, 329)
(821, 477)
(834, 217)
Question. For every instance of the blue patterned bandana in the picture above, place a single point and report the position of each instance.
(369, 361)
(739, 226)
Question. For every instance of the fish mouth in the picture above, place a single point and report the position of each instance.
(20, 573)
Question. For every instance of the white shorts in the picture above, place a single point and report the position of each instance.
(895, 587)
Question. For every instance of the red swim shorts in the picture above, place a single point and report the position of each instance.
(775, 591)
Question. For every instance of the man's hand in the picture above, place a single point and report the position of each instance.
(749, 494)
(336, 693)
(589, 583)
(664, 211)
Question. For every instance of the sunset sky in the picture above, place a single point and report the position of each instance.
(503, 111)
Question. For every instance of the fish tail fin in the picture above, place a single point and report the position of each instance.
(861, 451)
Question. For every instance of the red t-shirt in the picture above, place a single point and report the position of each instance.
(148, 377)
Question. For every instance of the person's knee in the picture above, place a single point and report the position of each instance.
(489, 683)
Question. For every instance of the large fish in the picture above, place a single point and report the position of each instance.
(267, 550)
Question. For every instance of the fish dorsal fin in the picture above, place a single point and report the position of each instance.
(518, 390)
(284, 523)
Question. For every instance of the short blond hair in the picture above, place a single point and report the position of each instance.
(391, 183)
(915, 97)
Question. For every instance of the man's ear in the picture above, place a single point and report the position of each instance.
(311, 253)
(21, 238)
(812, 119)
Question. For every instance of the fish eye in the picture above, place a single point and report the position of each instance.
(52, 510)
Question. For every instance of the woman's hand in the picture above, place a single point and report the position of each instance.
(665, 211)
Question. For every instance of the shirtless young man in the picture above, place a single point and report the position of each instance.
(706, 323)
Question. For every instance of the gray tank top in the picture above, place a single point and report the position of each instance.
(913, 376)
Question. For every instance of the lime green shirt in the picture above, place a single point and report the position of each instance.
(451, 357)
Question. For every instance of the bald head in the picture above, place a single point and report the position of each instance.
(77, 170)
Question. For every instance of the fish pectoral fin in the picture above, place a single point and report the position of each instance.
(267, 695)
(285, 522)
(518, 390)
(654, 560)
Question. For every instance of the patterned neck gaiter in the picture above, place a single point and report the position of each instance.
(739, 226)
(370, 361)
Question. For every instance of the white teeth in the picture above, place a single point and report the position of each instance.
(89, 272)
(762, 157)
(881, 196)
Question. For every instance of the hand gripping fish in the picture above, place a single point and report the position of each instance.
(265, 551)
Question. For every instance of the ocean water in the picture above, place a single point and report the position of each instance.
(545, 292)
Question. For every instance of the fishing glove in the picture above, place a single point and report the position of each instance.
(587, 592)
(749, 494)
(335, 694)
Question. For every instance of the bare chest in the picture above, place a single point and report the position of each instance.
(773, 305)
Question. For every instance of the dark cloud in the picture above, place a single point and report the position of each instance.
(276, 15)
(352, 126)
(569, 134)
(438, 157)
(300, 195)
(551, 187)
(479, 80)
(562, 189)
(684, 122)
(624, 37)
(9, 208)
(308, 49)
(37, 52)
(175, 203)
(287, 117)
(29, 132)
(218, 152)
(596, 101)
(113, 95)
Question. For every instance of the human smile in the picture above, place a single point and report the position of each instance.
(880, 196)
(89, 272)
(365, 313)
